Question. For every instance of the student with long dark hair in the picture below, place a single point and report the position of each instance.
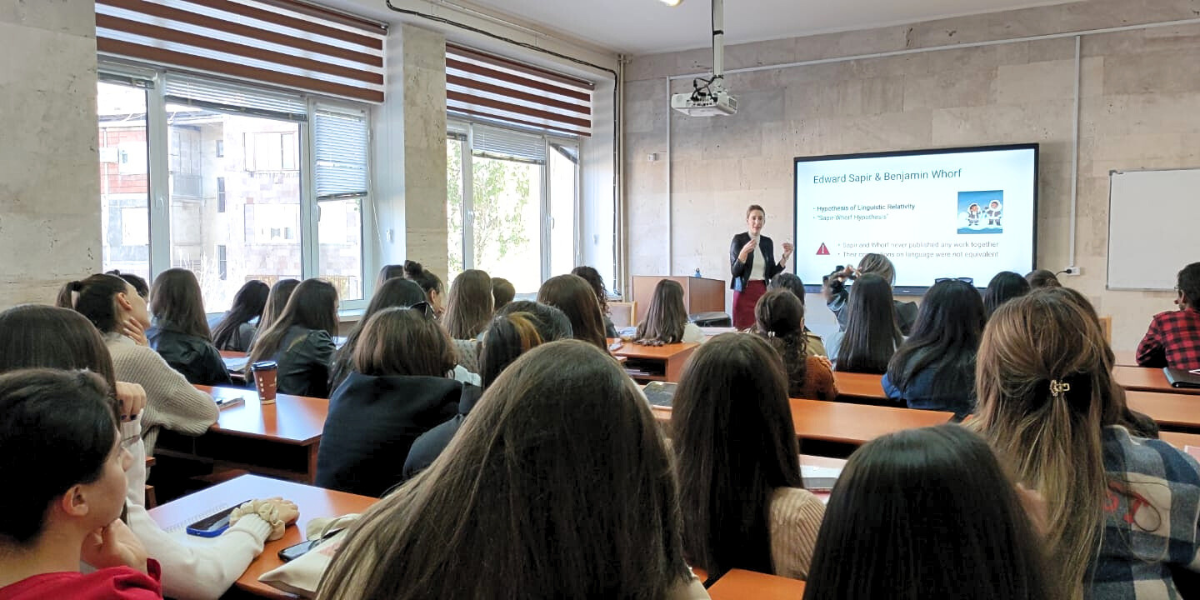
(576, 298)
(238, 326)
(837, 296)
(667, 318)
(1042, 278)
(813, 343)
(301, 340)
(387, 273)
(393, 293)
(744, 504)
(927, 513)
(522, 486)
(139, 284)
(469, 307)
(934, 369)
(1005, 286)
(120, 314)
(432, 284)
(277, 300)
(182, 337)
(1121, 508)
(592, 276)
(779, 319)
(519, 328)
(503, 292)
(397, 391)
(59, 443)
(871, 335)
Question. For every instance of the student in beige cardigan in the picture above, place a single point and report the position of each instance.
(743, 502)
(115, 308)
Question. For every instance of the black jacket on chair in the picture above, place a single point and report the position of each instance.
(740, 270)
(304, 358)
(193, 356)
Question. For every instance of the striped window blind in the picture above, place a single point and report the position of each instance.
(496, 88)
(341, 153)
(288, 43)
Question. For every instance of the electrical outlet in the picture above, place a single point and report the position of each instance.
(1073, 271)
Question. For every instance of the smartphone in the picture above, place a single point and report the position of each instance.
(215, 525)
(293, 552)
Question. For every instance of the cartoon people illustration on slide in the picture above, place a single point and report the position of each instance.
(993, 212)
(979, 212)
(973, 215)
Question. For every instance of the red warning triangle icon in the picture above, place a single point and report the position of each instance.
(822, 251)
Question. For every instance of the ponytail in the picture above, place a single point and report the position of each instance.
(66, 295)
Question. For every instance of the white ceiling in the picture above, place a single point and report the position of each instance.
(648, 26)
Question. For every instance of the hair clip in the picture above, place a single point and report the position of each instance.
(1058, 388)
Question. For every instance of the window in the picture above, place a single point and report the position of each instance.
(341, 140)
(220, 148)
(222, 263)
(271, 150)
(563, 164)
(124, 185)
(220, 193)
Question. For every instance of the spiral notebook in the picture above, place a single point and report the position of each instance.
(180, 528)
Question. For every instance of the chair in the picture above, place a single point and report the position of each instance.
(623, 314)
(1106, 327)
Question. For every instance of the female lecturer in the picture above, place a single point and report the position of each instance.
(752, 264)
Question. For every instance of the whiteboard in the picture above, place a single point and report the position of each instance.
(1153, 227)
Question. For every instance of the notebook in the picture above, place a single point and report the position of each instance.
(819, 479)
(1179, 378)
(235, 365)
(660, 393)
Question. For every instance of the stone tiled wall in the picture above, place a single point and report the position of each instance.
(49, 163)
(1140, 109)
(424, 108)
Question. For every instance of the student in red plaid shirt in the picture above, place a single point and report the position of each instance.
(1174, 337)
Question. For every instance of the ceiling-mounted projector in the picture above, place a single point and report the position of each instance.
(709, 97)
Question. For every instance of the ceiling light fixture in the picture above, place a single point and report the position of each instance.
(672, 3)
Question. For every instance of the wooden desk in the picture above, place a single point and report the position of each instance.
(1170, 411)
(859, 386)
(232, 354)
(279, 440)
(662, 363)
(313, 502)
(1147, 380)
(1180, 440)
(748, 585)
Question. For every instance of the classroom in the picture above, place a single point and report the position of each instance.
(671, 299)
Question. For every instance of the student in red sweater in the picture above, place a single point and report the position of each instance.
(69, 512)
(1173, 339)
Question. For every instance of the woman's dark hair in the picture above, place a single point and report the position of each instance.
(1041, 278)
(312, 306)
(428, 281)
(871, 335)
(1188, 283)
(515, 332)
(136, 281)
(913, 511)
(57, 430)
(592, 276)
(521, 484)
(176, 299)
(277, 300)
(576, 298)
(404, 341)
(393, 293)
(779, 319)
(469, 307)
(387, 273)
(1005, 286)
(46, 337)
(667, 316)
(789, 282)
(96, 299)
(248, 304)
(503, 292)
(945, 338)
(735, 444)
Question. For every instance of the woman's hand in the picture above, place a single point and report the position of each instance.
(788, 248)
(114, 546)
(133, 400)
(748, 249)
(133, 330)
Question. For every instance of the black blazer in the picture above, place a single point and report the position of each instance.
(195, 357)
(304, 357)
(740, 270)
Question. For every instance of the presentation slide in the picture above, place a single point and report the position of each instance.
(964, 212)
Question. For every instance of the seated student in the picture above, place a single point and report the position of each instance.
(397, 391)
(388, 272)
(934, 369)
(182, 337)
(429, 282)
(301, 341)
(520, 327)
(237, 328)
(592, 276)
(815, 346)
(871, 335)
(743, 501)
(575, 297)
(139, 284)
(59, 440)
(393, 293)
(878, 264)
(1041, 278)
(277, 300)
(1005, 286)
(115, 308)
(929, 513)
(779, 319)
(667, 318)
(1173, 339)
(469, 307)
(41, 336)
(503, 292)
(552, 520)
(1121, 509)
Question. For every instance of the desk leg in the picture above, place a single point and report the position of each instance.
(311, 475)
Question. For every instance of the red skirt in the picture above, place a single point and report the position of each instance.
(744, 302)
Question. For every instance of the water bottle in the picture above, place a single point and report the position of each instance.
(697, 275)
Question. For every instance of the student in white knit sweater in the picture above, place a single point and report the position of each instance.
(114, 307)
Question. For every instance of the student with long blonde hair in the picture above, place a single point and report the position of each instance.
(1122, 510)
